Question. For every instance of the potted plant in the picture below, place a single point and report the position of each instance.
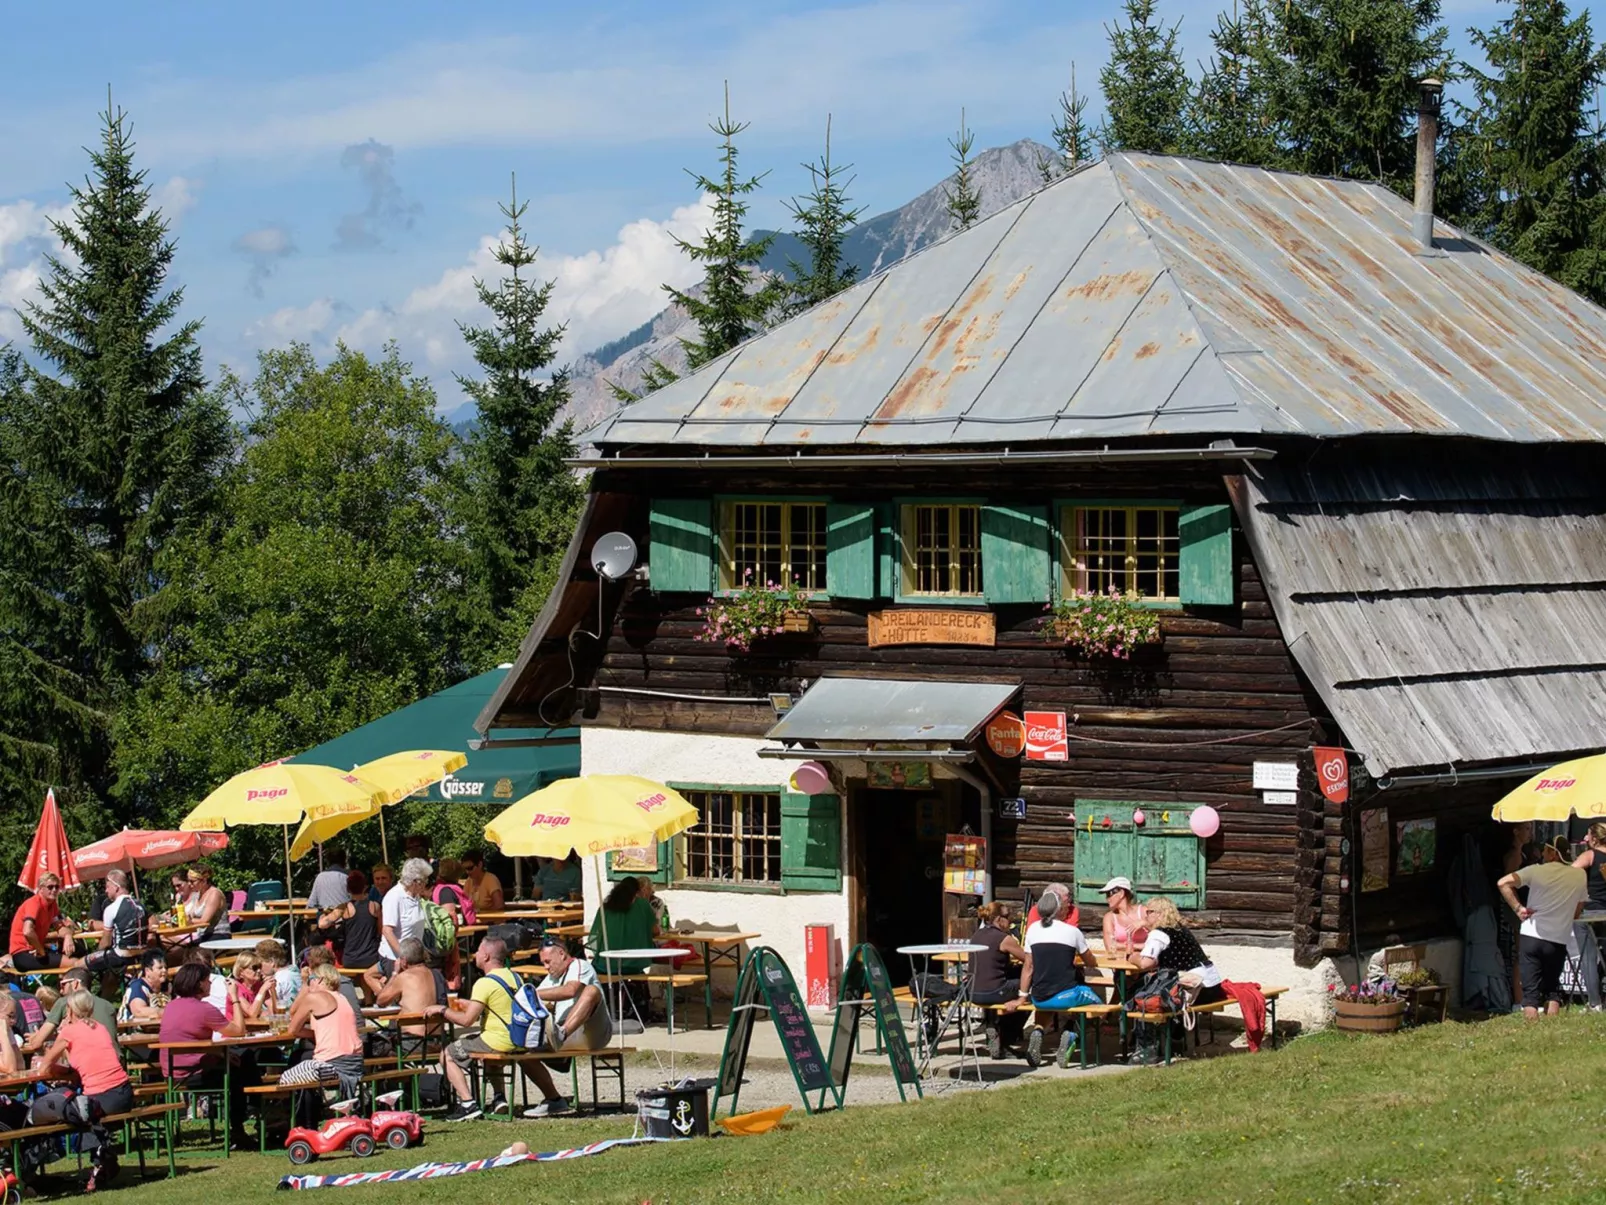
(1102, 625)
(1372, 1007)
(755, 612)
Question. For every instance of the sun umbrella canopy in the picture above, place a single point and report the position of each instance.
(399, 775)
(49, 852)
(591, 815)
(144, 849)
(283, 793)
(1573, 788)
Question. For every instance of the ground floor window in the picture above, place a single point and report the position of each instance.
(737, 838)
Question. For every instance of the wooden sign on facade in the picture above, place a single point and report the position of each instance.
(933, 627)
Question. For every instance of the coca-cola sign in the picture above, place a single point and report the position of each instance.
(1046, 738)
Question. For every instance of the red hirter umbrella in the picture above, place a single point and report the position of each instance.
(144, 849)
(49, 851)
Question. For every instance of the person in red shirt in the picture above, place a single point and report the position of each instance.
(36, 922)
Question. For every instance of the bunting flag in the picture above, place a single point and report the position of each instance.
(435, 1171)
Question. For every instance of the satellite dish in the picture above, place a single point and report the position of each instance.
(613, 555)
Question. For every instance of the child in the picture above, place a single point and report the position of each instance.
(250, 983)
(276, 969)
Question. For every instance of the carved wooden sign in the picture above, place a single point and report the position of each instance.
(932, 627)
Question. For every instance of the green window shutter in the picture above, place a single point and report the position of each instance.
(850, 550)
(659, 876)
(811, 842)
(1102, 850)
(681, 532)
(1205, 538)
(1170, 859)
(886, 547)
(1015, 553)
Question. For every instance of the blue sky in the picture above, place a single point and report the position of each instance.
(333, 170)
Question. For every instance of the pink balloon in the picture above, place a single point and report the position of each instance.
(1138, 817)
(1204, 821)
(811, 778)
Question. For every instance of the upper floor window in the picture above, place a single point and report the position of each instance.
(942, 549)
(781, 542)
(1128, 549)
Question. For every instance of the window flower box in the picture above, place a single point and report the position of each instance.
(1108, 625)
(755, 613)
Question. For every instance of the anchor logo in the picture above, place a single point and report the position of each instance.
(682, 1121)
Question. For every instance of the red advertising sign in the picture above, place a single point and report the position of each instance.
(1046, 736)
(1006, 734)
(1332, 771)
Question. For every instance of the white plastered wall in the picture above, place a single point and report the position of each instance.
(729, 761)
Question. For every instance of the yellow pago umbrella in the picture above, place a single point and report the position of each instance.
(591, 815)
(1573, 788)
(398, 775)
(284, 793)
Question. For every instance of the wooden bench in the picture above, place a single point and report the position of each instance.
(1208, 1010)
(670, 980)
(128, 1122)
(611, 1058)
(1082, 1014)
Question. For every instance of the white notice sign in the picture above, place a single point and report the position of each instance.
(1283, 799)
(1276, 776)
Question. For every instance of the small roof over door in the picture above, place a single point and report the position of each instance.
(878, 710)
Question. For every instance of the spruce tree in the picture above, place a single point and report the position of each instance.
(1145, 84)
(734, 302)
(1531, 145)
(824, 217)
(963, 198)
(1344, 93)
(522, 498)
(110, 450)
(1072, 141)
(1230, 116)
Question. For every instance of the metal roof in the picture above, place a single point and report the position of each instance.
(871, 710)
(1446, 614)
(1154, 295)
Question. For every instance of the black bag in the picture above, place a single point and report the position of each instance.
(432, 1090)
(515, 936)
(65, 1108)
(31, 1156)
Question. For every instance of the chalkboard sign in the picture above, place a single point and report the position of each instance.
(766, 973)
(897, 1042)
(865, 985)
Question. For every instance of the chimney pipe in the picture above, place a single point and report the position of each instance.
(1427, 140)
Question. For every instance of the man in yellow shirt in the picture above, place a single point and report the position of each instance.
(490, 1007)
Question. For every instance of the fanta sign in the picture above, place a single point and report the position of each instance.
(1006, 734)
(542, 820)
(652, 802)
(275, 793)
(1555, 784)
(1046, 736)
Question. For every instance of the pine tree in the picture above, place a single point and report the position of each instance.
(1344, 94)
(963, 199)
(1536, 154)
(1072, 140)
(110, 450)
(735, 302)
(824, 218)
(1230, 117)
(1145, 84)
(522, 498)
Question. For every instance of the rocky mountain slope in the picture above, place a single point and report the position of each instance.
(1004, 175)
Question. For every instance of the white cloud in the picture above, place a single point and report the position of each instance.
(600, 295)
(176, 197)
(293, 323)
(264, 246)
(25, 239)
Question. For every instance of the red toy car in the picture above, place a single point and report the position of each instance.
(397, 1130)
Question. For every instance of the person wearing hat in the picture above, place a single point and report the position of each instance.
(1557, 893)
(1124, 926)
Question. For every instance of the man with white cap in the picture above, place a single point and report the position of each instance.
(1124, 926)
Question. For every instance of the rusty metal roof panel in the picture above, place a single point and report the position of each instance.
(1151, 294)
(870, 710)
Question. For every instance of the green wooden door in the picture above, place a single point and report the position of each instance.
(1169, 859)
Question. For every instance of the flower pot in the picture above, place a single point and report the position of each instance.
(797, 621)
(1369, 1018)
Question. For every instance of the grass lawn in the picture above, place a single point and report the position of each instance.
(1499, 1111)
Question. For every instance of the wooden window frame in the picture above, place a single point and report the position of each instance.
(905, 519)
(679, 877)
(1065, 541)
(725, 537)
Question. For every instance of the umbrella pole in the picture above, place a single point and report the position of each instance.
(384, 845)
(289, 892)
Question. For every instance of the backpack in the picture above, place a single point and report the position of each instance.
(440, 932)
(526, 1026)
(66, 1107)
(515, 936)
(1160, 992)
(30, 1013)
(465, 906)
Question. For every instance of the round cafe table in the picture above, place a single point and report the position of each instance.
(231, 944)
(956, 1009)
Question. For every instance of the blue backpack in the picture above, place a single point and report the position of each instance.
(526, 1026)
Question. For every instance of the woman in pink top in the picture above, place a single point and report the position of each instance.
(1125, 928)
(85, 1044)
(336, 1040)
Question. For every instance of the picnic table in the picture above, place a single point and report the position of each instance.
(716, 947)
(175, 930)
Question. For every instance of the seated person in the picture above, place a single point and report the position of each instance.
(417, 988)
(1172, 946)
(993, 977)
(1051, 975)
(579, 1020)
(319, 956)
(120, 931)
(484, 888)
(329, 888)
(37, 923)
(251, 985)
(382, 878)
(1125, 928)
(189, 1018)
(558, 879)
(11, 1060)
(336, 1041)
(354, 926)
(276, 969)
(625, 921)
(490, 1008)
(450, 893)
(85, 1043)
(1069, 912)
(208, 907)
(104, 1012)
(145, 996)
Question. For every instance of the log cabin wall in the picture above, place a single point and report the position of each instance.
(1181, 723)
